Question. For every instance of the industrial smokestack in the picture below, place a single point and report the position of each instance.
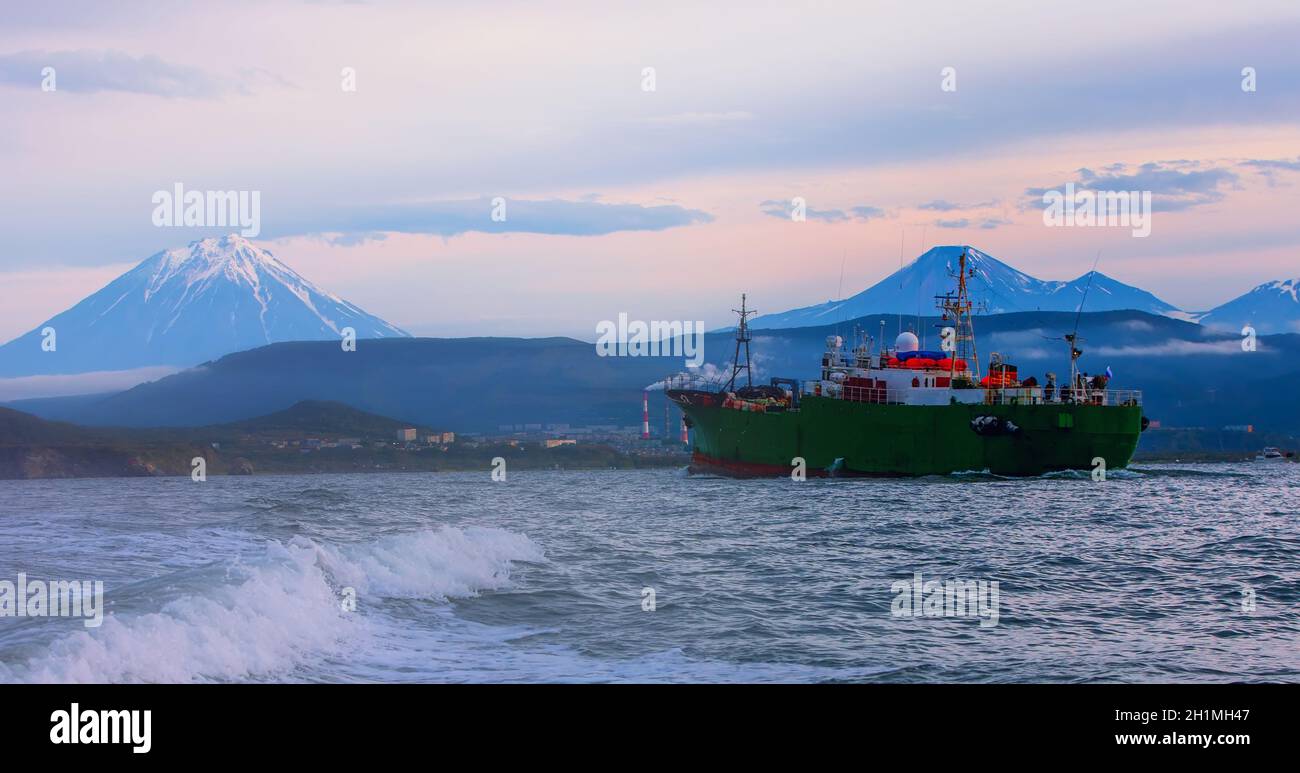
(645, 415)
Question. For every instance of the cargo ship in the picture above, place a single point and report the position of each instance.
(879, 410)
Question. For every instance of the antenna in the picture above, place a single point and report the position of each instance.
(844, 256)
(919, 326)
(900, 285)
(1073, 338)
(839, 294)
(1086, 288)
(742, 338)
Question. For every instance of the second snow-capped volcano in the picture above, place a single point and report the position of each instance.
(185, 306)
(997, 286)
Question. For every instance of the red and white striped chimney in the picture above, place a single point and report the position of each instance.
(645, 415)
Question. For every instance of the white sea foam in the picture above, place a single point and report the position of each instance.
(431, 564)
(280, 610)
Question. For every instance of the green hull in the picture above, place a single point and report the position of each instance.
(853, 438)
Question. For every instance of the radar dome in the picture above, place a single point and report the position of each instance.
(906, 342)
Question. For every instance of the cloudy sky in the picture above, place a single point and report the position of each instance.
(662, 203)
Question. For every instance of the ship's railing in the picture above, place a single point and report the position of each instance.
(1107, 396)
(1077, 396)
(997, 396)
(881, 395)
(865, 394)
(687, 380)
(936, 396)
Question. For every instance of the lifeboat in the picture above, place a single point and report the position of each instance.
(921, 354)
(927, 363)
(999, 381)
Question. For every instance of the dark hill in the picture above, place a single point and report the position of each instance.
(321, 417)
(18, 428)
(454, 384)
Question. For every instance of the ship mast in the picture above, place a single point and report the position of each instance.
(1073, 340)
(958, 307)
(742, 338)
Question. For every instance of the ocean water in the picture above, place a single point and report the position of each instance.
(1179, 572)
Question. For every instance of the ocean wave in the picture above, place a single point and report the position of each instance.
(285, 607)
(1184, 472)
(985, 474)
(1120, 474)
(430, 564)
(979, 474)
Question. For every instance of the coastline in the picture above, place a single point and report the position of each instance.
(59, 462)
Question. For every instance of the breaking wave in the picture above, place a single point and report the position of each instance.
(261, 619)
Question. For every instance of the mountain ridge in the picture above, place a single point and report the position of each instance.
(1271, 307)
(998, 286)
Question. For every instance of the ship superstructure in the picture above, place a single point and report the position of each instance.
(876, 409)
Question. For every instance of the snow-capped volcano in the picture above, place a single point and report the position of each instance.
(188, 305)
(999, 288)
(1273, 307)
